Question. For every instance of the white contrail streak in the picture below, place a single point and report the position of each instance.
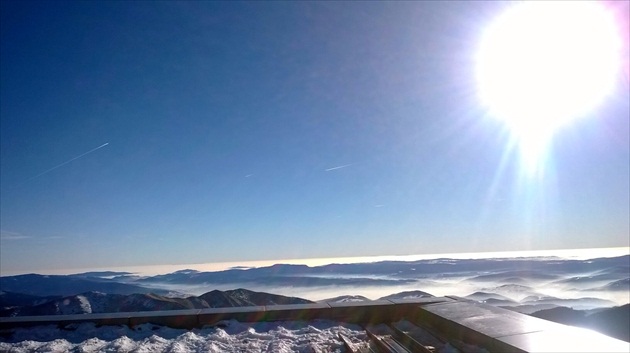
(68, 161)
(338, 167)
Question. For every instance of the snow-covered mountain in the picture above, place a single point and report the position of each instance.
(523, 284)
(96, 302)
(408, 295)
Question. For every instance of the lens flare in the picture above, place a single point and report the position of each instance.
(543, 64)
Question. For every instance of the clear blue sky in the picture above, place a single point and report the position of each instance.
(225, 122)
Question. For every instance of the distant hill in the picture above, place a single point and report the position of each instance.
(8, 299)
(510, 272)
(101, 274)
(583, 303)
(491, 298)
(562, 315)
(42, 285)
(244, 297)
(277, 275)
(622, 285)
(408, 294)
(96, 302)
(518, 283)
(516, 276)
(529, 308)
(531, 301)
(614, 322)
(605, 276)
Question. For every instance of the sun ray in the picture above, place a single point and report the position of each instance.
(542, 65)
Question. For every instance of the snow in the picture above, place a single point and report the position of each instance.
(228, 336)
(346, 299)
(85, 304)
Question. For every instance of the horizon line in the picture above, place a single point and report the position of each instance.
(148, 270)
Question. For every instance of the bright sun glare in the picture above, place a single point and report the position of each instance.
(542, 64)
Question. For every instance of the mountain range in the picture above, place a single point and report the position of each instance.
(588, 293)
(587, 276)
(16, 304)
(60, 285)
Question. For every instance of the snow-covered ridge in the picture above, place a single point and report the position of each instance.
(16, 304)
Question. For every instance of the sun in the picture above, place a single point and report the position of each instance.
(543, 64)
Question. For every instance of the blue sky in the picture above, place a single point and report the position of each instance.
(225, 123)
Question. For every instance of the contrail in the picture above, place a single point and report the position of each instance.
(339, 167)
(68, 161)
